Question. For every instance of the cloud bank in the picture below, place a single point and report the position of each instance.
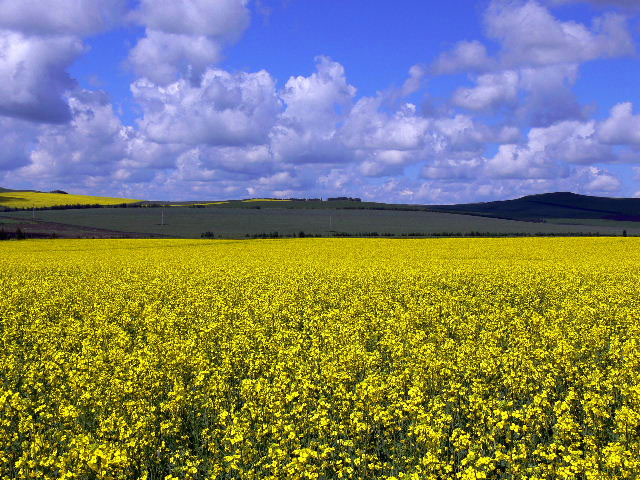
(512, 126)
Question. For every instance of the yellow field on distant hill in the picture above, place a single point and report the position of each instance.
(41, 199)
(267, 200)
(320, 359)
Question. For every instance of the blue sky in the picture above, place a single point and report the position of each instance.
(389, 101)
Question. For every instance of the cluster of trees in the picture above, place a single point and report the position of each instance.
(72, 206)
(349, 199)
(300, 234)
(18, 234)
(362, 234)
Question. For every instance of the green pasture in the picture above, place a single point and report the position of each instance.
(229, 222)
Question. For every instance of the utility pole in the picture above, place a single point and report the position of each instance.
(162, 223)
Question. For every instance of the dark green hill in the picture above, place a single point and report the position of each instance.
(545, 214)
(2, 189)
(552, 205)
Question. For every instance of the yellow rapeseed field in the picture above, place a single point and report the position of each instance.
(320, 358)
(42, 199)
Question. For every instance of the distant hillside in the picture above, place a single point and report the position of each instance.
(10, 199)
(552, 205)
(2, 190)
(558, 206)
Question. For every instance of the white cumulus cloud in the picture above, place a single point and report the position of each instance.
(225, 109)
(622, 127)
(34, 77)
(492, 89)
(531, 35)
(61, 17)
(466, 56)
(184, 37)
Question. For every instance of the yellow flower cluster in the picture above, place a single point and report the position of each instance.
(320, 359)
(42, 199)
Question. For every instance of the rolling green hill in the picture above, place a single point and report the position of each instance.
(5, 190)
(559, 213)
(228, 222)
(31, 199)
(559, 205)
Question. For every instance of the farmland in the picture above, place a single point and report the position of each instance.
(22, 199)
(238, 222)
(320, 358)
(547, 214)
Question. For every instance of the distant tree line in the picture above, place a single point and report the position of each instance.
(17, 235)
(71, 207)
(348, 199)
(362, 234)
(374, 234)
(468, 234)
(300, 234)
